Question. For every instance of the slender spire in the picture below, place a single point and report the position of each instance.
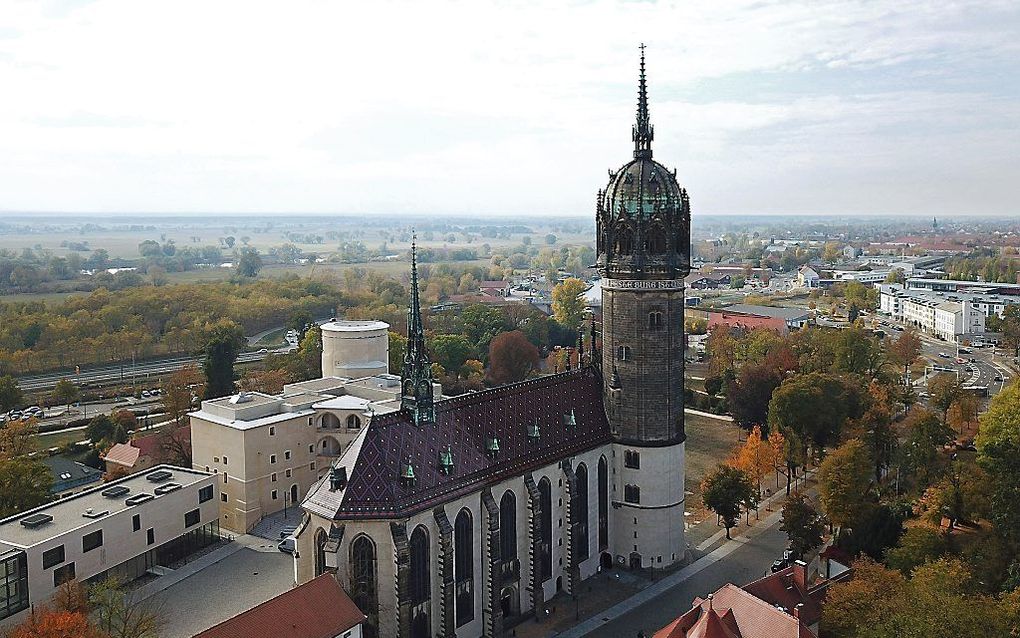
(643, 132)
(417, 394)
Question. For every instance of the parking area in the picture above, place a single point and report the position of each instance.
(270, 527)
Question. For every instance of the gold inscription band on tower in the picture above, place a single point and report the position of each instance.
(642, 284)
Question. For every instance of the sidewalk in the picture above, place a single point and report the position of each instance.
(611, 594)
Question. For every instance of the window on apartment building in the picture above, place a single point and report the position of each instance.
(224, 478)
(223, 497)
(191, 518)
(272, 477)
(632, 494)
(274, 495)
(224, 459)
(309, 420)
(150, 536)
(136, 522)
(63, 574)
(311, 466)
(205, 494)
(286, 455)
(272, 430)
(92, 540)
(288, 472)
(272, 458)
(632, 459)
(353, 422)
(311, 449)
(53, 556)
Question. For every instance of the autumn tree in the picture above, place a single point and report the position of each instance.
(918, 545)
(225, 341)
(926, 435)
(125, 419)
(511, 357)
(265, 381)
(721, 350)
(750, 394)
(998, 444)
(178, 390)
(943, 390)
(398, 345)
(65, 392)
(963, 413)
(724, 491)
(755, 458)
(905, 350)
(568, 302)
(52, 623)
(24, 484)
(10, 393)
(16, 438)
(843, 482)
(802, 523)
(122, 613)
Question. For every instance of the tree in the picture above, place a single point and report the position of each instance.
(10, 393)
(175, 443)
(815, 407)
(843, 481)
(178, 390)
(713, 385)
(65, 392)
(755, 458)
(265, 381)
(16, 438)
(24, 484)
(750, 393)
(122, 613)
(963, 413)
(511, 357)
(926, 434)
(998, 444)
(249, 263)
(803, 524)
(568, 302)
(944, 390)
(1010, 328)
(52, 623)
(920, 544)
(398, 345)
(905, 350)
(221, 349)
(451, 351)
(481, 323)
(301, 321)
(724, 491)
(125, 418)
(100, 430)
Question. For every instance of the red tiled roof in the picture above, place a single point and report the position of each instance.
(786, 590)
(127, 454)
(123, 454)
(748, 322)
(319, 608)
(739, 614)
(465, 424)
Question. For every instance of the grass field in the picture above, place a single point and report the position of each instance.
(709, 442)
(57, 439)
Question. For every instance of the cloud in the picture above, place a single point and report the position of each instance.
(500, 107)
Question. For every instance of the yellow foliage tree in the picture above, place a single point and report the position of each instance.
(756, 457)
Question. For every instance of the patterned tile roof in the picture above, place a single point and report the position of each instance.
(466, 425)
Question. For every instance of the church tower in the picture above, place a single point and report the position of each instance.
(417, 393)
(643, 245)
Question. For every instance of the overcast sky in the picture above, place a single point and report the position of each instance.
(484, 107)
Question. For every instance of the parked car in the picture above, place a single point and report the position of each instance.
(944, 355)
(998, 377)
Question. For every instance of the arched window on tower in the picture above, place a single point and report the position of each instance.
(545, 525)
(655, 320)
(363, 583)
(656, 241)
(421, 584)
(463, 567)
(623, 242)
(603, 504)
(582, 511)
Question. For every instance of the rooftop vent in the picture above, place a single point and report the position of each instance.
(116, 491)
(138, 499)
(337, 478)
(160, 475)
(167, 488)
(36, 520)
(93, 514)
(65, 476)
(240, 397)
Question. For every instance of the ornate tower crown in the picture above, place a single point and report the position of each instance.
(643, 216)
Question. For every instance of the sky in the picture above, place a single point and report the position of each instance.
(507, 108)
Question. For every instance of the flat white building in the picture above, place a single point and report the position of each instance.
(119, 529)
(947, 316)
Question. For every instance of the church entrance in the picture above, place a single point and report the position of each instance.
(606, 560)
(635, 561)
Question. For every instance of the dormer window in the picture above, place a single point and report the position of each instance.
(407, 475)
(534, 432)
(446, 461)
(569, 419)
(492, 447)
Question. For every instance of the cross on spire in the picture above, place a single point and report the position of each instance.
(643, 132)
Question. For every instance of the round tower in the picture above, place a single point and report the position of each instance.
(643, 255)
(355, 349)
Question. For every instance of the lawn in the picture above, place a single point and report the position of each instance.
(709, 442)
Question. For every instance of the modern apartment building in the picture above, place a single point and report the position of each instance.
(119, 529)
(945, 315)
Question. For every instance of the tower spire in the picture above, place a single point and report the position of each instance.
(643, 132)
(417, 394)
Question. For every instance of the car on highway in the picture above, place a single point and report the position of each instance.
(963, 351)
(145, 394)
(998, 377)
(944, 355)
(960, 360)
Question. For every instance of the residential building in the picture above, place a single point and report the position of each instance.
(943, 314)
(745, 321)
(464, 516)
(319, 608)
(143, 452)
(122, 529)
(70, 477)
(795, 318)
(808, 277)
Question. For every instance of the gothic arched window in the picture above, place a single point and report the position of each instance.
(329, 421)
(545, 526)
(603, 504)
(623, 243)
(655, 320)
(463, 567)
(508, 526)
(582, 511)
(421, 587)
(363, 583)
(656, 241)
